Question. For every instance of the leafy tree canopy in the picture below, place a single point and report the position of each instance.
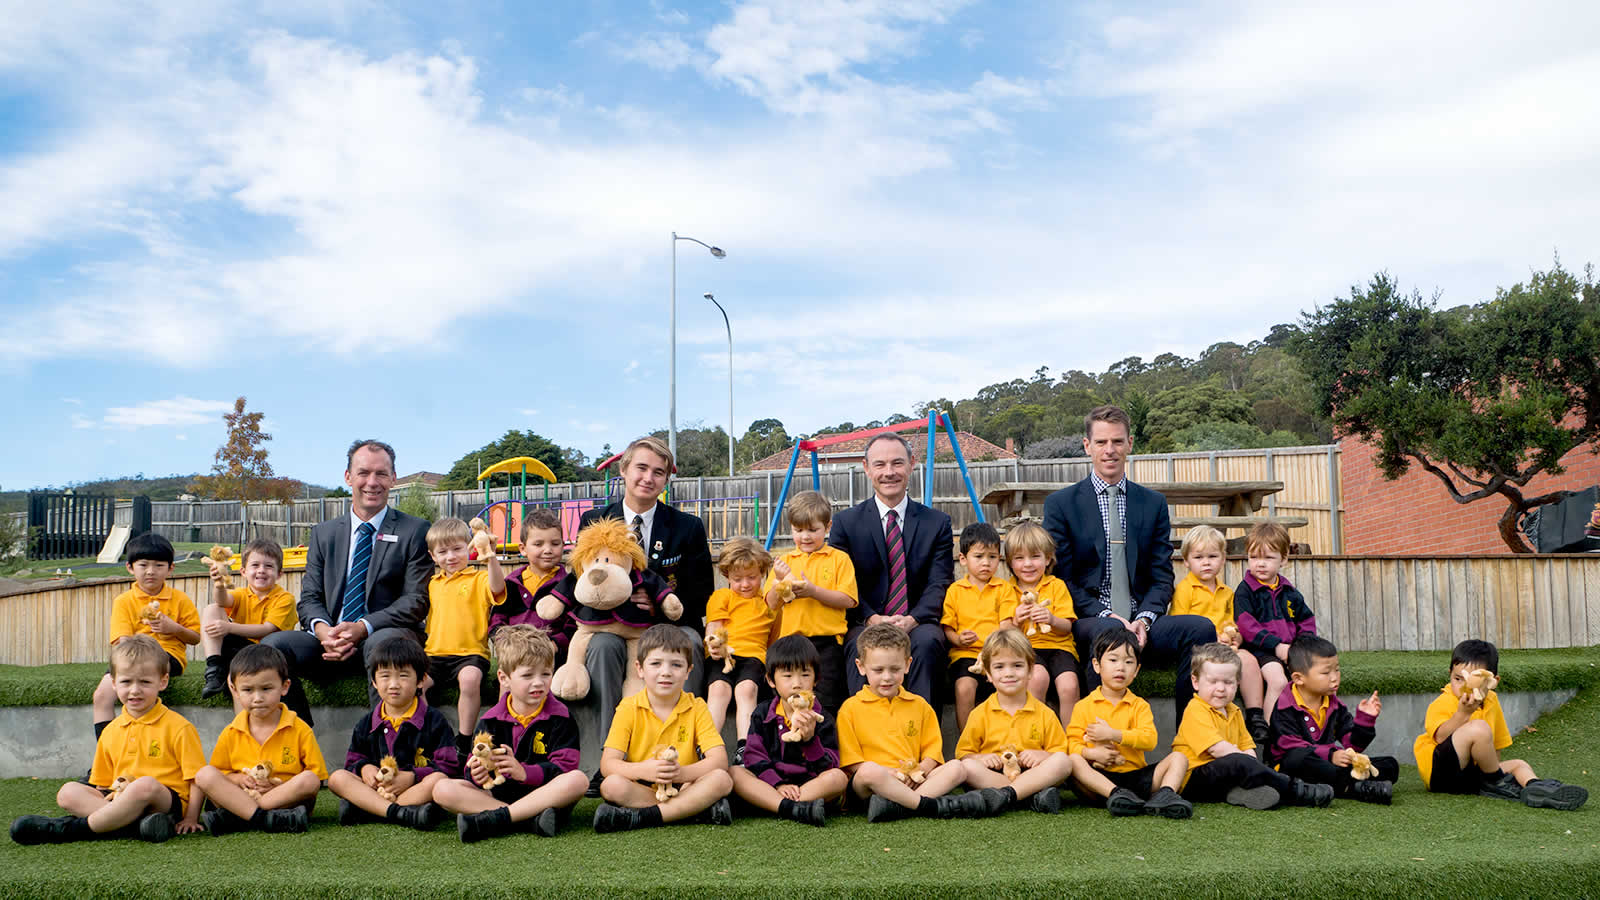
(564, 463)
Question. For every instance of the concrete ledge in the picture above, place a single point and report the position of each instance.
(58, 741)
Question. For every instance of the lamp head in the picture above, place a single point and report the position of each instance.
(711, 298)
(718, 252)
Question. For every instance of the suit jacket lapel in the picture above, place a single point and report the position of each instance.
(908, 536)
(1089, 510)
(339, 563)
(660, 531)
(875, 526)
(380, 548)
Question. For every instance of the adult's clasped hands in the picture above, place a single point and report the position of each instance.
(340, 642)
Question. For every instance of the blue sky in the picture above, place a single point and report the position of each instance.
(432, 222)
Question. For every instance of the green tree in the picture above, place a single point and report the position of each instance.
(1228, 436)
(1484, 397)
(417, 500)
(464, 474)
(241, 470)
(763, 438)
(701, 451)
(1178, 408)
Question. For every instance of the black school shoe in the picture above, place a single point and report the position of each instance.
(594, 785)
(809, 812)
(882, 809)
(1305, 793)
(474, 827)
(1500, 786)
(33, 830)
(1262, 797)
(718, 813)
(1255, 722)
(1047, 801)
(157, 828)
(1373, 791)
(1167, 803)
(609, 818)
(1124, 802)
(422, 816)
(1547, 793)
(216, 682)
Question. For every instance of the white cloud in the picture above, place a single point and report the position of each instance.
(81, 422)
(72, 400)
(663, 52)
(178, 411)
(527, 412)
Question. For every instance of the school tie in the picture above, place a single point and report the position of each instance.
(355, 584)
(897, 566)
(638, 530)
(1116, 540)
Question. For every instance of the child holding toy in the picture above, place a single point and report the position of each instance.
(971, 611)
(151, 608)
(741, 618)
(144, 764)
(1110, 731)
(662, 738)
(889, 741)
(1458, 751)
(1046, 617)
(399, 752)
(1315, 737)
(459, 600)
(819, 585)
(1016, 722)
(266, 768)
(240, 617)
(1271, 613)
(530, 779)
(1202, 592)
(542, 544)
(791, 760)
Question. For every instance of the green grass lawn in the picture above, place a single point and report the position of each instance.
(1424, 845)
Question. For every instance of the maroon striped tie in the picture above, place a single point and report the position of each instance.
(897, 566)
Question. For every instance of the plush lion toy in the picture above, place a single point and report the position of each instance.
(483, 543)
(151, 612)
(388, 768)
(1010, 765)
(785, 588)
(262, 772)
(483, 752)
(791, 704)
(221, 554)
(717, 645)
(910, 773)
(607, 566)
(664, 789)
(118, 786)
(1361, 767)
(1229, 635)
(1029, 598)
(1479, 683)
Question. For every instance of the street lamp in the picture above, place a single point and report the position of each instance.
(726, 324)
(672, 338)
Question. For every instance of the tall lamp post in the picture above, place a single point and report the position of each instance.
(672, 337)
(728, 326)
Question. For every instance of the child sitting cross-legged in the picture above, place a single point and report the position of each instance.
(1014, 720)
(1109, 733)
(645, 785)
(402, 730)
(535, 755)
(1315, 737)
(144, 763)
(740, 614)
(791, 760)
(889, 741)
(264, 733)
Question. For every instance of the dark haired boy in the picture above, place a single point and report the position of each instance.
(972, 607)
(1458, 751)
(150, 607)
(265, 732)
(791, 756)
(1314, 736)
(543, 544)
(402, 725)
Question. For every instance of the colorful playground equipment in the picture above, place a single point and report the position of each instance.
(504, 517)
(935, 417)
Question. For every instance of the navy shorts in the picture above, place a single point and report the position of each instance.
(1448, 776)
(1056, 662)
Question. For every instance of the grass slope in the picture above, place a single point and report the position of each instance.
(1423, 845)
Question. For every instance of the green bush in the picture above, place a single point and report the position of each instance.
(417, 500)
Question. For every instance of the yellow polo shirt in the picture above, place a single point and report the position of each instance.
(1440, 711)
(749, 621)
(160, 743)
(175, 604)
(828, 568)
(1053, 592)
(276, 608)
(968, 606)
(991, 729)
(1131, 715)
(1191, 598)
(291, 749)
(1203, 726)
(458, 613)
(886, 730)
(637, 731)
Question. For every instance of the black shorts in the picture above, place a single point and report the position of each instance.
(444, 670)
(1056, 662)
(745, 668)
(175, 812)
(1140, 781)
(962, 668)
(830, 671)
(1264, 656)
(231, 645)
(1448, 776)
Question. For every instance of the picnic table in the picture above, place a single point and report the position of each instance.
(1234, 501)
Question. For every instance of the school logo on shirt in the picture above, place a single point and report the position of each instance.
(912, 727)
(683, 734)
(421, 760)
(155, 750)
(288, 756)
(538, 742)
(1033, 732)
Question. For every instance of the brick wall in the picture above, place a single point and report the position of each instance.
(1415, 514)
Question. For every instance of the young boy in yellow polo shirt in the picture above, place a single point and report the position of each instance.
(459, 599)
(264, 732)
(1214, 739)
(1202, 592)
(889, 741)
(971, 611)
(1109, 733)
(661, 717)
(173, 623)
(821, 587)
(744, 619)
(240, 617)
(151, 751)
(1014, 720)
(1030, 554)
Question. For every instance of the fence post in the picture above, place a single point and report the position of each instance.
(1172, 468)
(1336, 525)
(244, 522)
(1213, 456)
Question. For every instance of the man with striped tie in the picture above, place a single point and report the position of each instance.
(366, 580)
(903, 556)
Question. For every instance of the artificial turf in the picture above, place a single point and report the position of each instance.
(1424, 845)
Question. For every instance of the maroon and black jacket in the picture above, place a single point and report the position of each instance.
(776, 762)
(1293, 728)
(423, 744)
(1269, 617)
(518, 609)
(547, 746)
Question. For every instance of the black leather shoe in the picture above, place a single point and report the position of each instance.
(809, 812)
(286, 821)
(32, 830)
(477, 826)
(216, 682)
(1547, 793)
(594, 784)
(1501, 786)
(1373, 791)
(1124, 802)
(881, 809)
(609, 818)
(218, 822)
(156, 828)
(1047, 801)
(1167, 803)
(1305, 793)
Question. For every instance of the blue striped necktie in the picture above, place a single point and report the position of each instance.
(355, 584)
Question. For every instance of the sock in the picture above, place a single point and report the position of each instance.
(927, 806)
(259, 817)
(393, 812)
(650, 817)
(99, 727)
(786, 808)
(1011, 795)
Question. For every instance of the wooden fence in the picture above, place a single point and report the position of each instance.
(1361, 603)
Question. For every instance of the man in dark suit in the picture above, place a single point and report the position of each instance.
(1114, 551)
(902, 554)
(339, 614)
(674, 543)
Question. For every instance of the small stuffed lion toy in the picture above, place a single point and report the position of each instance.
(483, 543)
(483, 752)
(1029, 598)
(1361, 767)
(910, 773)
(150, 612)
(388, 768)
(1479, 683)
(1010, 765)
(785, 588)
(1230, 635)
(220, 553)
(118, 786)
(608, 565)
(261, 772)
(664, 789)
(794, 702)
(717, 645)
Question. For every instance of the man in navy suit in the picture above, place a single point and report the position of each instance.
(339, 615)
(1114, 551)
(902, 554)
